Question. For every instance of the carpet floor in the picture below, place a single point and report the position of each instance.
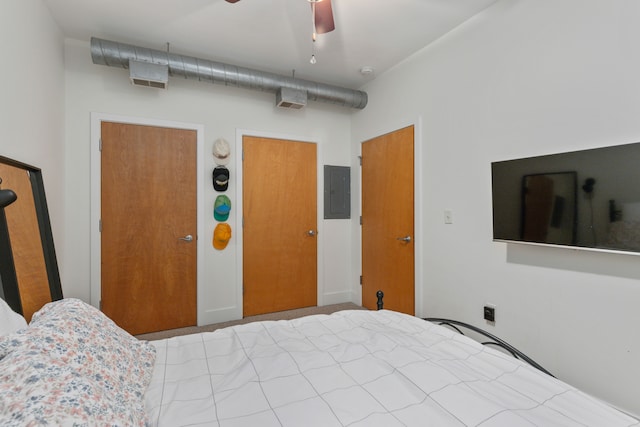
(281, 315)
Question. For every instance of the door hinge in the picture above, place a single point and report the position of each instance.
(361, 280)
(100, 225)
(360, 158)
(360, 219)
(100, 144)
(100, 304)
(243, 154)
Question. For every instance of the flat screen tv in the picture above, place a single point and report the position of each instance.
(584, 199)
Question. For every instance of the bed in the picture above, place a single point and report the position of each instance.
(73, 366)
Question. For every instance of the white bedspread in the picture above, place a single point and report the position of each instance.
(356, 368)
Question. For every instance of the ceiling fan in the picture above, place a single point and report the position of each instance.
(322, 13)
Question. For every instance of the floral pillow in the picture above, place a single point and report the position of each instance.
(38, 390)
(75, 366)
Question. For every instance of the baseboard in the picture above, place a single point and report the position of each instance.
(218, 315)
(337, 298)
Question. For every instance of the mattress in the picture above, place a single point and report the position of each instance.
(356, 368)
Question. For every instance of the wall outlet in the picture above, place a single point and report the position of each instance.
(489, 313)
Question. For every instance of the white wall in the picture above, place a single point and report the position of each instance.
(32, 101)
(223, 112)
(526, 77)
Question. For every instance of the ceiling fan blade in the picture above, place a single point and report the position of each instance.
(324, 16)
(233, 1)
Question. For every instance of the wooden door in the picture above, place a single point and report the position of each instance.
(279, 201)
(388, 221)
(148, 203)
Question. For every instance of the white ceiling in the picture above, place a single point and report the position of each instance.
(272, 35)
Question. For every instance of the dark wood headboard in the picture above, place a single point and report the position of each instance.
(28, 266)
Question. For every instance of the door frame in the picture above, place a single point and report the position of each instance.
(240, 133)
(96, 254)
(418, 201)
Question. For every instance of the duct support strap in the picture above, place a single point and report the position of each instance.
(114, 54)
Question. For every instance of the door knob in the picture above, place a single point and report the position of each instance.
(312, 233)
(187, 238)
(406, 239)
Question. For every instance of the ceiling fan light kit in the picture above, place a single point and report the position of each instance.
(321, 21)
(322, 15)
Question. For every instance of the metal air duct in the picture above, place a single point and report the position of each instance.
(114, 54)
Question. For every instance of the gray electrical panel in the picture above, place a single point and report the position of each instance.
(337, 192)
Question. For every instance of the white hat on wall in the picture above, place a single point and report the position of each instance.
(221, 151)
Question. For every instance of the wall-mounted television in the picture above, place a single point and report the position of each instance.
(585, 199)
